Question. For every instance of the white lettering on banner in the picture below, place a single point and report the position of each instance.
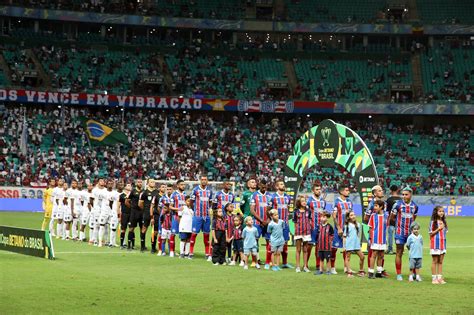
(186, 104)
(64, 98)
(41, 97)
(163, 103)
(102, 99)
(90, 99)
(30, 95)
(130, 102)
(140, 102)
(366, 179)
(74, 98)
(121, 100)
(197, 104)
(290, 179)
(3, 95)
(150, 102)
(53, 97)
(174, 103)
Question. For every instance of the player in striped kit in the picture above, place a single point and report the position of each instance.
(342, 206)
(404, 213)
(317, 206)
(201, 197)
(438, 229)
(378, 194)
(221, 200)
(378, 237)
(281, 201)
(259, 207)
(166, 199)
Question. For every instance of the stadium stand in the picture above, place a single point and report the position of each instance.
(435, 160)
(446, 12)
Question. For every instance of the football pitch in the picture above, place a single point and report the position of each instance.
(86, 279)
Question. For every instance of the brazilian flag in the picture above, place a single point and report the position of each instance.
(100, 134)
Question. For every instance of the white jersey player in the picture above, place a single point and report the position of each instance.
(113, 199)
(97, 199)
(86, 213)
(56, 213)
(76, 203)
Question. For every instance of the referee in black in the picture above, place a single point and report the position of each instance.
(124, 211)
(136, 215)
(144, 204)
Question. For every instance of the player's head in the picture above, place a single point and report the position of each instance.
(52, 182)
(101, 182)
(203, 180)
(343, 190)
(237, 220)
(229, 208)
(438, 214)
(406, 194)
(377, 191)
(169, 189)
(274, 214)
(90, 187)
(415, 228)
(128, 187)
(74, 184)
(120, 185)
(180, 185)
(139, 183)
(325, 217)
(110, 184)
(252, 183)
(60, 182)
(227, 185)
(219, 213)
(280, 185)
(394, 189)
(166, 207)
(65, 185)
(162, 189)
(80, 184)
(379, 205)
(150, 184)
(249, 221)
(187, 199)
(301, 202)
(262, 186)
(317, 188)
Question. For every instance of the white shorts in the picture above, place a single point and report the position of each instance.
(93, 219)
(85, 217)
(165, 234)
(104, 218)
(437, 252)
(305, 238)
(378, 246)
(67, 217)
(58, 215)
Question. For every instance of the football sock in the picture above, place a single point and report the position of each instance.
(160, 244)
(318, 261)
(44, 224)
(59, 230)
(82, 235)
(333, 257)
(101, 234)
(182, 247)
(186, 249)
(398, 267)
(142, 240)
(369, 255)
(153, 241)
(383, 262)
(206, 244)
(268, 258)
(51, 226)
(191, 243)
(122, 237)
(75, 223)
(113, 236)
(67, 232)
(96, 232)
(172, 245)
(379, 269)
(131, 239)
(284, 255)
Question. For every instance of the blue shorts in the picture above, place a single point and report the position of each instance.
(202, 224)
(262, 231)
(174, 227)
(238, 246)
(400, 239)
(337, 241)
(314, 234)
(286, 233)
(184, 235)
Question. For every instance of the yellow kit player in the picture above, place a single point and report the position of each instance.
(48, 204)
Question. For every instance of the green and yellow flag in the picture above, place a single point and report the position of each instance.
(100, 134)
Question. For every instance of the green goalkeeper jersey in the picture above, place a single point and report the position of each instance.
(245, 202)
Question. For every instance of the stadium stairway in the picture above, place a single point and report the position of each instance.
(290, 75)
(5, 70)
(417, 75)
(44, 77)
(167, 78)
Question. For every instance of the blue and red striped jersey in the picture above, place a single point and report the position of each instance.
(406, 214)
(166, 221)
(261, 202)
(178, 200)
(282, 204)
(438, 240)
(370, 208)
(222, 199)
(341, 208)
(303, 222)
(202, 201)
(237, 232)
(317, 207)
(229, 219)
(378, 229)
(325, 237)
(165, 199)
(219, 224)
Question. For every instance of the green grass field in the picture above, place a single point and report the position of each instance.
(85, 279)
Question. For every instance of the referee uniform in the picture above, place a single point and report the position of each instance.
(136, 215)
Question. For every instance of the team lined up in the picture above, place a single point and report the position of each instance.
(266, 217)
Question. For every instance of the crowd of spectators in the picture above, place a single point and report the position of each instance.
(222, 145)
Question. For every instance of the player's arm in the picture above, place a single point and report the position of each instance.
(172, 203)
(254, 213)
(72, 205)
(119, 208)
(393, 214)
(415, 214)
(335, 216)
(152, 207)
(45, 197)
(213, 232)
(141, 201)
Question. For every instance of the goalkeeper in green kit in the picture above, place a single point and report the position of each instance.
(247, 195)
